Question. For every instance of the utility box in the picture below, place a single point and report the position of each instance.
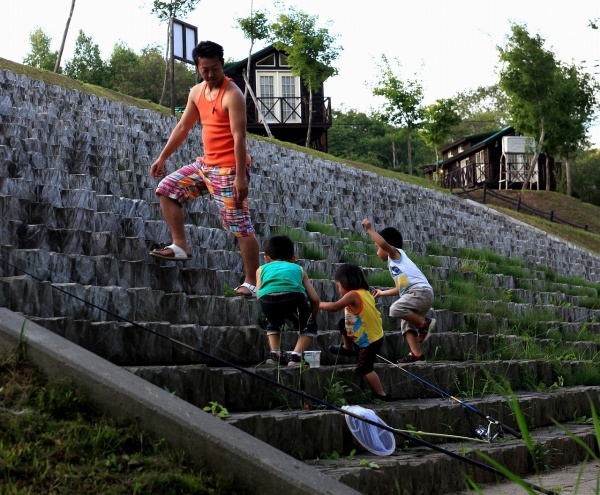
(518, 144)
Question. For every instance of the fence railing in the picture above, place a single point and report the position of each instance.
(519, 205)
(290, 110)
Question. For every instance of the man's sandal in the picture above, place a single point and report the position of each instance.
(176, 254)
(251, 288)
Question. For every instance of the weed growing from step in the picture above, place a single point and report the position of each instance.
(312, 252)
(323, 228)
(216, 409)
(380, 279)
(55, 441)
(360, 247)
(229, 291)
(295, 235)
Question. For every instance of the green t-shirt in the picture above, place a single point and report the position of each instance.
(280, 276)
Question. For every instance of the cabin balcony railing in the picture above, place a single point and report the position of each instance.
(290, 110)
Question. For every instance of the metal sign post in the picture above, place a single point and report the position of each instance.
(184, 37)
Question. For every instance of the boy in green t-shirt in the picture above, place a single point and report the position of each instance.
(282, 288)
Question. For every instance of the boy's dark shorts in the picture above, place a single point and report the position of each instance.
(290, 306)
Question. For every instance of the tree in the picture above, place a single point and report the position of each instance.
(576, 105)
(586, 177)
(367, 139)
(87, 65)
(124, 68)
(403, 106)
(352, 133)
(62, 44)
(165, 11)
(40, 56)
(255, 28)
(529, 78)
(440, 119)
(310, 52)
(482, 110)
(140, 76)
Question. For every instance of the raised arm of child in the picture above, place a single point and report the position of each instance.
(380, 241)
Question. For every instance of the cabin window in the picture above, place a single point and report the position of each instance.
(283, 60)
(268, 61)
(480, 166)
(464, 172)
(279, 96)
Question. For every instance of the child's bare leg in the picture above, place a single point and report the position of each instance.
(415, 319)
(348, 344)
(413, 343)
(375, 383)
(302, 343)
(274, 341)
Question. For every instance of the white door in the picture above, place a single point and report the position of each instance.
(279, 94)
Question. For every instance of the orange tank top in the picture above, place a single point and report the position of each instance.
(216, 130)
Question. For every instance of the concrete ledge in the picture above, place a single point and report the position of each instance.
(124, 396)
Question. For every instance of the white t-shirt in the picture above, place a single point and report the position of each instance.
(406, 274)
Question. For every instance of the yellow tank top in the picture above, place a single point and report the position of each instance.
(364, 326)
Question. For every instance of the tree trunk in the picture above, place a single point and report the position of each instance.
(409, 148)
(310, 117)
(164, 88)
(534, 160)
(568, 176)
(248, 69)
(548, 174)
(62, 45)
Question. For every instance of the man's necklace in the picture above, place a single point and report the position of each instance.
(213, 100)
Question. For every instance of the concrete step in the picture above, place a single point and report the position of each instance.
(242, 391)
(312, 434)
(421, 471)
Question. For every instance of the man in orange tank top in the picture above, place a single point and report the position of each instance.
(223, 171)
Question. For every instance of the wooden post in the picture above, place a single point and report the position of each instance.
(172, 69)
(552, 216)
(519, 203)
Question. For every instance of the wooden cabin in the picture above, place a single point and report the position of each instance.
(498, 159)
(281, 99)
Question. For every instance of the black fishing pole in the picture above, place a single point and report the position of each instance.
(501, 425)
(300, 393)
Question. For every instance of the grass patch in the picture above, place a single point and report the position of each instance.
(323, 228)
(380, 279)
(312, 252)
(55, 441)
(295, 235)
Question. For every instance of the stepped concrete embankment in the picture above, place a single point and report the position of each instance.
(68, 155)
(78, 216)
(228, 450)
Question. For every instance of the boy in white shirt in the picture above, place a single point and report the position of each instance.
(416, 294)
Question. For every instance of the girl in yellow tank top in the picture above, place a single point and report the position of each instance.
(362, 332)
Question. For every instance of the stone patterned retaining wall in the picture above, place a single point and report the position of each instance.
(68, 158)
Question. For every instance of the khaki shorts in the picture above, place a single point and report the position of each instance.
(415, 300)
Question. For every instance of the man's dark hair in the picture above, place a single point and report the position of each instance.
(207, 49)
(392, 236)
(279, 247)
(351, 277)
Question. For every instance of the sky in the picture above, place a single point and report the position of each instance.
(450, 46)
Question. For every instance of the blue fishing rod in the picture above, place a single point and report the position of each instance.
(481, 430)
